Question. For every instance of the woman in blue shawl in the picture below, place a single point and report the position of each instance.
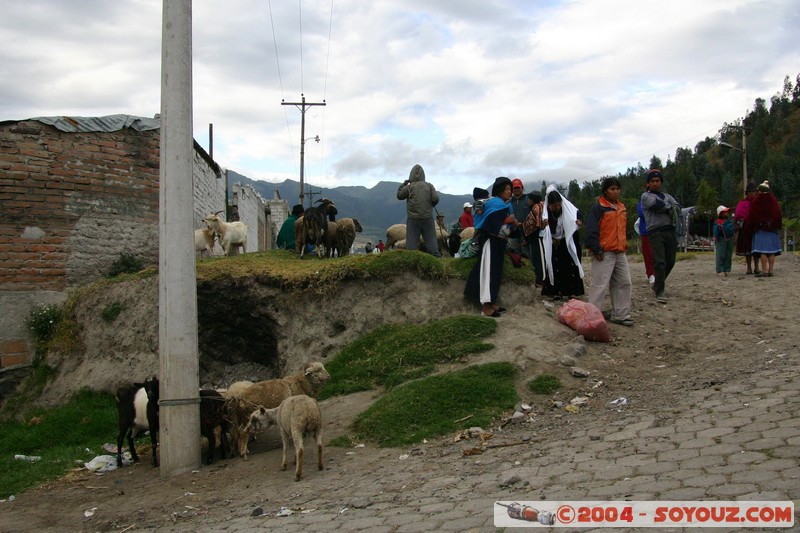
(483, 283)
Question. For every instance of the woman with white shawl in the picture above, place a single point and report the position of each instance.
(562, 251)
(491, 230)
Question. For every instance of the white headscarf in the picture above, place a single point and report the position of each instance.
(569, 218)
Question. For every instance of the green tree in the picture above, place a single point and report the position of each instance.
(706, 204)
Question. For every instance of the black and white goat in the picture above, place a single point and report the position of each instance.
(137, 405)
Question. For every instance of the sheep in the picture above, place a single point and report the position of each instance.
(236, 388)
(312, 227)
(204, 241)
(137, 407)
(395, 233)
(330, 237)
(346, 234)
(229, 233)
(298, 417)
(270, 394)
(212, 416)
(467, 233)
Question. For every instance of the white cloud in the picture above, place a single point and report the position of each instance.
(472, 89)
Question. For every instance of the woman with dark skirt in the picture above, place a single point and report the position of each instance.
(744, 237)
(491, 228)
(562, 249)
(764, 221)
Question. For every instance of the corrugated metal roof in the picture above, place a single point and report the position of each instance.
(106, 123)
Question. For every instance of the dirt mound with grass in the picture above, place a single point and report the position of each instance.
(713, 330)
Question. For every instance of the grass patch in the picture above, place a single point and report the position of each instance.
(430, 407)
(111, 312)
(544, 384)
(392, 354)
(60, 438)
(283, 269)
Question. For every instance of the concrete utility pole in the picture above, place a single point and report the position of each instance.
(302, 107)
(177, 287)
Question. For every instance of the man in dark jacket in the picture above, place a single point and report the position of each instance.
(660, 211)
(421, 197)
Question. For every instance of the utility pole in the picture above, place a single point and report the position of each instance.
(302, 105)
(177, 287)
(744, 159)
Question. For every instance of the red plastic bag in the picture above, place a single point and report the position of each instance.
(586, 319)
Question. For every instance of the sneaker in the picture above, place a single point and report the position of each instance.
(651, 279)
(627, 321)
(661, 298)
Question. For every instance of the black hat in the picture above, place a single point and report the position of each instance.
(499, 185)
(654, 173)
(479, 194)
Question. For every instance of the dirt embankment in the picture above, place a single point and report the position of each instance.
(245, 330)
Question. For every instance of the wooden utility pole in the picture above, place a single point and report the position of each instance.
(302, 107)
(177, 287)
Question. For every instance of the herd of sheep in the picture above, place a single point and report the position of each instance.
(235, 414)
(318, 227)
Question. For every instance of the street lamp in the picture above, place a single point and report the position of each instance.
(743, 149)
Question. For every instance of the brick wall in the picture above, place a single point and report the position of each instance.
(60, 190)
(70, 203)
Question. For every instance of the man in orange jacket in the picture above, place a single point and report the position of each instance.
(607, 241)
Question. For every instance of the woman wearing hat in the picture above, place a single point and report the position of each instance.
(744, 239)
(723, 240)
(491, 230)
(764, 221)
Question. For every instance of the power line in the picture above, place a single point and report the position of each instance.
(300, 10)
(280, 81)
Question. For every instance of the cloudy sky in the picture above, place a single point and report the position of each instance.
(549, 90)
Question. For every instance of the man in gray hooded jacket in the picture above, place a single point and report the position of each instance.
(421, 197)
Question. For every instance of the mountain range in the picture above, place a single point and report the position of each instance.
(376, 208)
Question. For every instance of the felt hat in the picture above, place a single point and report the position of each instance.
(500, 184)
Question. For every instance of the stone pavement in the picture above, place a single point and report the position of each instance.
(735, 441)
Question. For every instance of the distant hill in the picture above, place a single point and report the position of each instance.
(376, 208)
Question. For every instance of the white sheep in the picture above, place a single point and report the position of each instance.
(270, 393)
(298, 417)
(346, 234)
(229, 233)
(204, 241)
(395, 233)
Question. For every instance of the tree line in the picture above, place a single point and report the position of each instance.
(711, 173)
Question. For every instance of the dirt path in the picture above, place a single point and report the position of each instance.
(714, 332)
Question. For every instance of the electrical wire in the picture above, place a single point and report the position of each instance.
(280, 81)
(325, 89)
(300, 11)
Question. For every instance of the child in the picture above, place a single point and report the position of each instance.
(723, 240)
(607, 242)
